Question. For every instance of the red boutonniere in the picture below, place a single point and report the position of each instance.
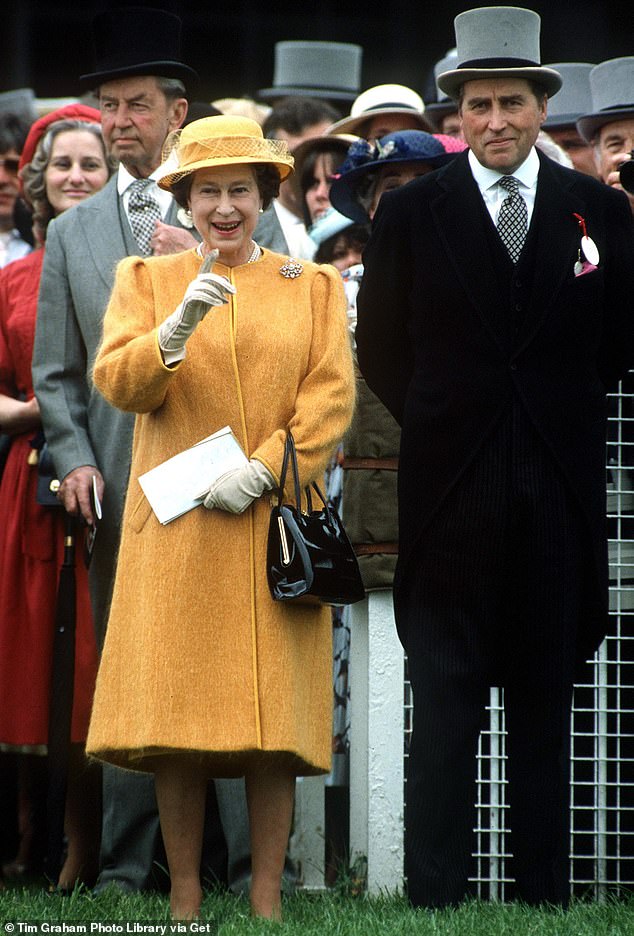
(588, 253)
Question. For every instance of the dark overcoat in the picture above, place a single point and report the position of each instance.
(447, 344)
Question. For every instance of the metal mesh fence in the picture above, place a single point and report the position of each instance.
(602, 724)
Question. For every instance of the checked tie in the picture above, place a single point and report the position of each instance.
(513, 218)
(143, 212)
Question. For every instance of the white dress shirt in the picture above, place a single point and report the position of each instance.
(494, 194)
(299, 243)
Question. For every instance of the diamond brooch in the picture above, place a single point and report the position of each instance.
(291, 269)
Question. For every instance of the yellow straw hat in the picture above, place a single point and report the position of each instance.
(220, 141)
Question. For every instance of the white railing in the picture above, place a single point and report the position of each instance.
(602, 734)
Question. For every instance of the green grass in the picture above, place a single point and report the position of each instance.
(328, 914)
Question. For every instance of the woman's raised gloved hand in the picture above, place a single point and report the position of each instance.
(206, 290)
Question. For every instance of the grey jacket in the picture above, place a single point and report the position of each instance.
(83, 248)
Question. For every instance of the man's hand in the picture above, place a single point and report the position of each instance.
(74, 492)
(168, 239)
(613, 163)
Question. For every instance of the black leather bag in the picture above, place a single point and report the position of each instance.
(309, 555)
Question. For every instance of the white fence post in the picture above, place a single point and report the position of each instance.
(376, 742)
(307, 846)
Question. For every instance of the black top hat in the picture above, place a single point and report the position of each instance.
(137, 41)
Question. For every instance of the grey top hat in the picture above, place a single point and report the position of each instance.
(498, 42)
(21, 102)
(575, 97)
(612, 86)
(329, 70)
(443, 104)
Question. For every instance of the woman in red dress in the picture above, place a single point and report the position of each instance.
(63, 162)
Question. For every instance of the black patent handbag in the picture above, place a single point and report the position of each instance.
(309, 555)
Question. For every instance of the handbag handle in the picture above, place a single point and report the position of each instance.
(290, 454)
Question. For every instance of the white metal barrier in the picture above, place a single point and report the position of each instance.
(602, 732)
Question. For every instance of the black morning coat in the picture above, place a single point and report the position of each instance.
(445, 343)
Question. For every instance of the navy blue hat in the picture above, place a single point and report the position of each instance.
(365, 158)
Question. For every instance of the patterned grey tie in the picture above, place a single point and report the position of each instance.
(513, 218)
(143, 212)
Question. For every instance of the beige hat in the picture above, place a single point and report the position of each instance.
(221, 141)
(379, 100)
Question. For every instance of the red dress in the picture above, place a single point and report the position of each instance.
(32, 548)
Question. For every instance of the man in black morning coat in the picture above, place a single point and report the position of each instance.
(497, 372)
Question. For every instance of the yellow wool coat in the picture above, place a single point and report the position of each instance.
(197, 656)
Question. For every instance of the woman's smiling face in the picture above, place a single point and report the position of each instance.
(225, 203)
(76, 168)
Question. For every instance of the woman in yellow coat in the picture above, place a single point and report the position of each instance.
(203, 674)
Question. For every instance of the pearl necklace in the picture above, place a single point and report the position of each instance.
(255, 253)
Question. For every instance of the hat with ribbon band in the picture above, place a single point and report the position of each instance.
(443, 105)
(612, 87)
(308, 68)
(378, 101)
(220, 141)
(365, 158)
(497, 42)
(575, 97)
(131, 41)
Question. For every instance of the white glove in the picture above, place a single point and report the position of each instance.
(208, 289)
(238, 488)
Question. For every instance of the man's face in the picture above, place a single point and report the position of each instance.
(451, 126)
(136, 117)
(294, 139)
(580, 152)
(501, 118)
(8, 187)
(288, 195)
(613, 146)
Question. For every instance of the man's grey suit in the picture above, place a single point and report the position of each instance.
(269, 233)
(83, 248)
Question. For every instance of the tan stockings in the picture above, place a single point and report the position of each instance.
(180, 791)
